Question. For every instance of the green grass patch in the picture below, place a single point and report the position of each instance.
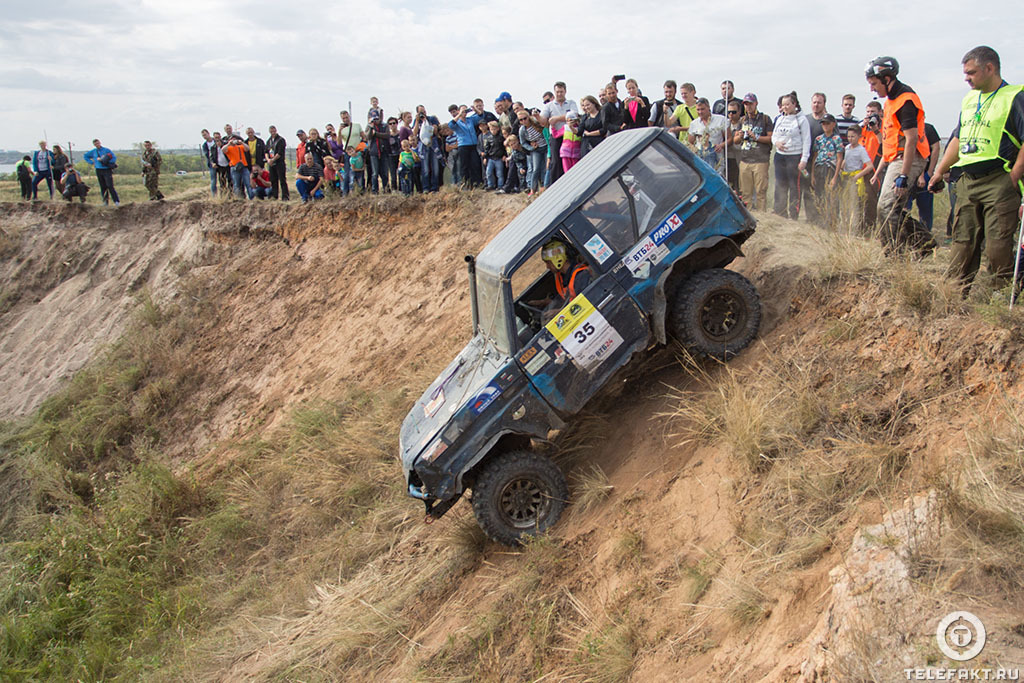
(95, 546)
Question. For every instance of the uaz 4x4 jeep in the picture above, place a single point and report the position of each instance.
(655, 226)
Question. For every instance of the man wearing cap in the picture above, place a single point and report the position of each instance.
(151, 162)
(985, 151)
(905, 148)
(755, 141)
(276, 167)
(506, 118)
(826, 161)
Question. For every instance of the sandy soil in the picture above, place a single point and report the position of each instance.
(307, 299)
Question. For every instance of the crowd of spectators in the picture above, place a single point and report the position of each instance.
(515, 148)
(818, 157)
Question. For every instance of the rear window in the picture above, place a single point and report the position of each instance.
(639, 198)
(659, 181)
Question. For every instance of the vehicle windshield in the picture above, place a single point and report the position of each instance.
(491, 302)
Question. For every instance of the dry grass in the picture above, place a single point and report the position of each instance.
(629, 550)
(984, 490)
(758, 417)
(746, 604)
(590, 488)
(922, 287)
(846, 254)
(466, 535)
(700, 574)
(605, 647)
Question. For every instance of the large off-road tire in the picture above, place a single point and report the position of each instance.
(715, 313)
(517, 493)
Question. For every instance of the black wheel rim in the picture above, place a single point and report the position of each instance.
(524, 502)
(722, 315)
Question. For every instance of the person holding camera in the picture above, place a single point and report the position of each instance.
(755, 141)
(986, 155)
(73, 185)
(871, 129)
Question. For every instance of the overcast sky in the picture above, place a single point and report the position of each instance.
(162, 70)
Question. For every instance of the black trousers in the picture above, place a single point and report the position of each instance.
(105, 176)
(469, 166)
(555, 159)
(278, 178)
(26, 187)
(77, 190)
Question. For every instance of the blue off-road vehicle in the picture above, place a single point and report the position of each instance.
(654, 227)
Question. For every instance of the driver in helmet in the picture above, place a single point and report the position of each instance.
(571, 277)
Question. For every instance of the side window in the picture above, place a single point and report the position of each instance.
(609, 213)
(659, 181)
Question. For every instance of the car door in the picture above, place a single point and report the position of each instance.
(573, 355)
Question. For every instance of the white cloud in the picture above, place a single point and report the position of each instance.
(127, 70)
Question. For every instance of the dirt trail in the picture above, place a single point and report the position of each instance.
(302, 300)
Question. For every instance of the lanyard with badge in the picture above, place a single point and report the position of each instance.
(971, 146)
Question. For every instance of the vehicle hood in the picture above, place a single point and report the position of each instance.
(461, 382)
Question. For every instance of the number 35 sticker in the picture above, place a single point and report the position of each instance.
(584, 333)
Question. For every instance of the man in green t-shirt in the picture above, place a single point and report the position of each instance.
(685, 113)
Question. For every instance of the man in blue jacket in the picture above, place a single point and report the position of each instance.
(463, 125)
(104, 161)
(42, 166)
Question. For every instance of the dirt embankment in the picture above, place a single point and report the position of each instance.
(295, 299)
(699, 563)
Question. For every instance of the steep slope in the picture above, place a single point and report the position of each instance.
(807, 512)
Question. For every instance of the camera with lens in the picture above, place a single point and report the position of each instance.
(873, 122)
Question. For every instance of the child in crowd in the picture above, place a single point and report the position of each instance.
(571, 141)
(358, 165)
(857, 169)
(827, 159)
(375, 110)
(516, 165)
(406, 167)
(331, 175)
(494, 156)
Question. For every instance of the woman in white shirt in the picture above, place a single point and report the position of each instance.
(792, 141)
